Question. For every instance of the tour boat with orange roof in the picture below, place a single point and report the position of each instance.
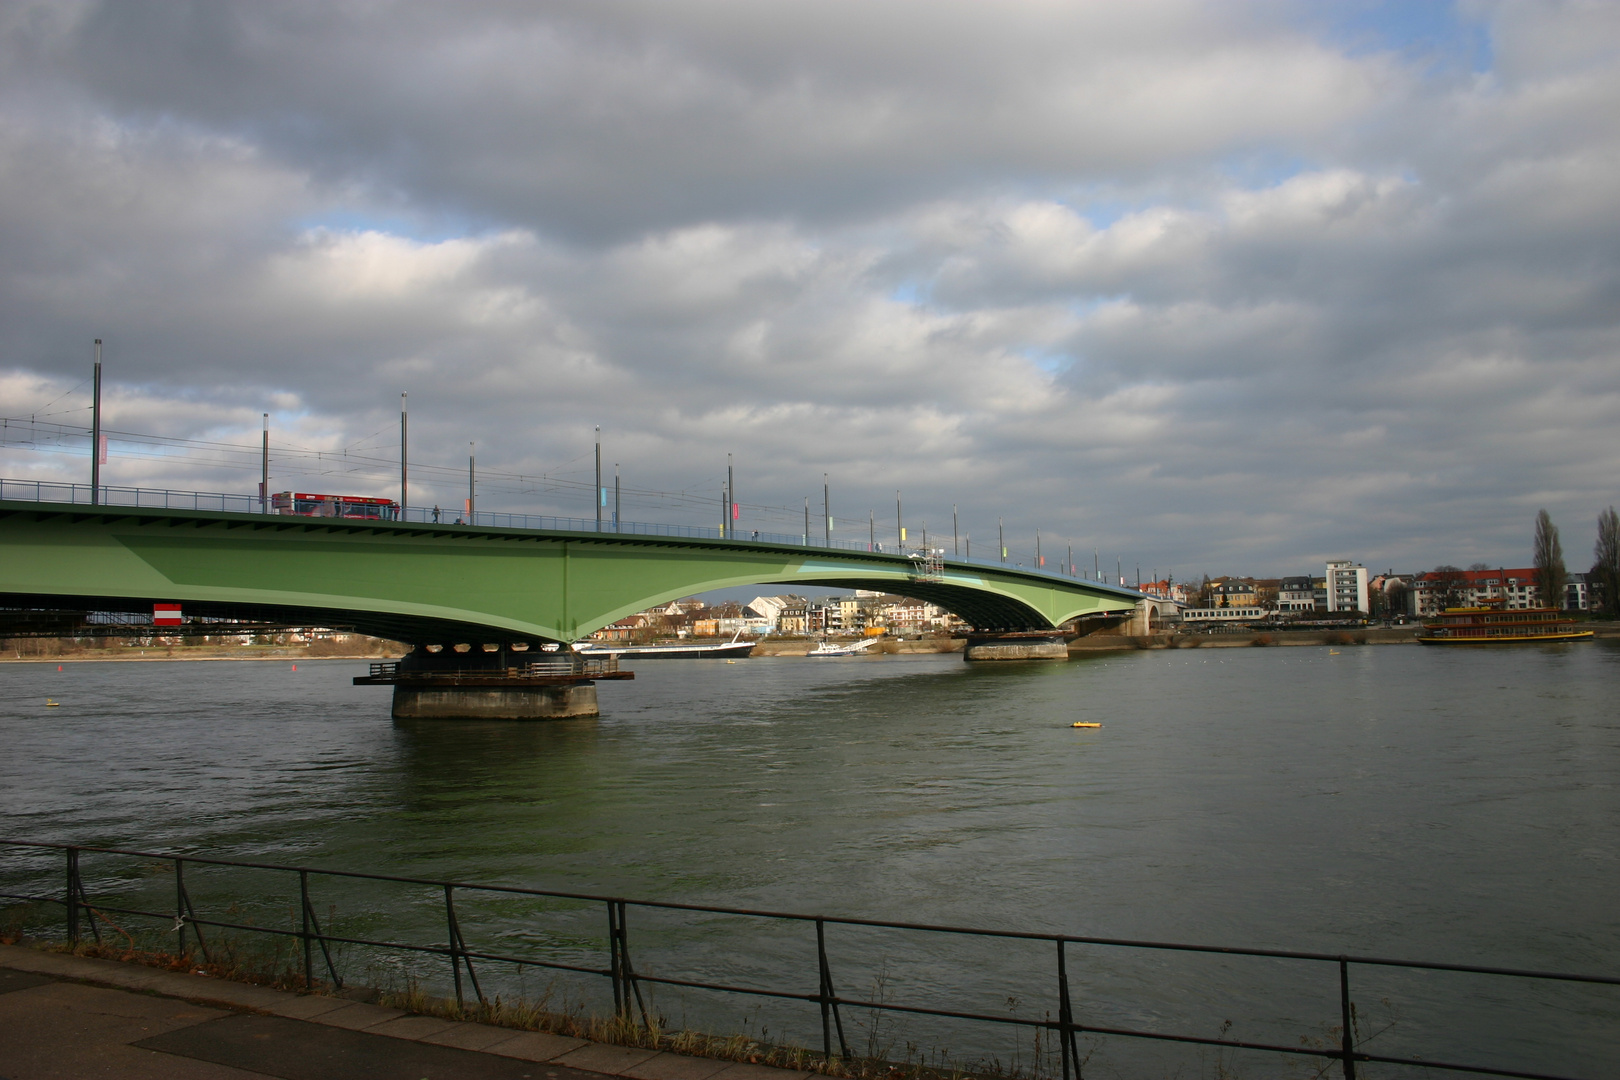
(1492, 623)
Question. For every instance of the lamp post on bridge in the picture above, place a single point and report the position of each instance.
(264, 469)
(956, 548)
(1001, 540)
(404, 432)
(95, 433)
(826, 508)
(472, 482)
(599, 496)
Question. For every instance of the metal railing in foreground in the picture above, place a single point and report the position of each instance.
(626, 981)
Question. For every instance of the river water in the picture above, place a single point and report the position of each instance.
(1451, 805)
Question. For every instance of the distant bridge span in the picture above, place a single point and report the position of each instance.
(443, 584)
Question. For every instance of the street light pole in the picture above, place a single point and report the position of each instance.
(599, 496)
(826, 508)
(472, 483)
(616, 518)
(956, 548)
(95, 433)
(1001, 540)
(264, 469)
(404, 446)
(731, 499)
(899, 525)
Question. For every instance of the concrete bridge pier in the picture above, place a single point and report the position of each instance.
(1020, 645)
(493, 683)
(548, 702)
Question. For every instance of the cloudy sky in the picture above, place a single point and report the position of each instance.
(1224, 287)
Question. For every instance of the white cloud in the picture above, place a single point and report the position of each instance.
(1109, 271)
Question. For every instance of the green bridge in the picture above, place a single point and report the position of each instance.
(449, 584)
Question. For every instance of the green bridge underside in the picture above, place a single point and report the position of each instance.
(446, 584)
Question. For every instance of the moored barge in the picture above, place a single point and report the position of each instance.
(1492, 624)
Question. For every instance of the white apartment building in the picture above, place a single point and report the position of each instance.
(1347, 586)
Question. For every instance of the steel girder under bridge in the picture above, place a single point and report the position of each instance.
(442, 584)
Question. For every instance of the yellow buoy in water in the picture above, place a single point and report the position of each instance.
(49, 704)
(1082, 723)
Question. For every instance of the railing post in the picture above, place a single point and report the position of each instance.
(613, 958)
(180, 905)
(73, 895)
(455, 953)
(1066, 1025)
(303, 909)
(620, 969)
(1347, 1042)
(829, 1000)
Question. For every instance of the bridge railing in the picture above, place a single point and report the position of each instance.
(86, 904)
(49, 491)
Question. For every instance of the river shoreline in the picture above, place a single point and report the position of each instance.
(54, 651)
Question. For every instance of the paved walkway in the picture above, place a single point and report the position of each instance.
(69, 1017)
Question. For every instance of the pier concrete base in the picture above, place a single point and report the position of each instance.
(1016, 647)
(550, 702)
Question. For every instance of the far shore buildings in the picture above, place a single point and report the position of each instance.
(1345, 589)
(1515, 589)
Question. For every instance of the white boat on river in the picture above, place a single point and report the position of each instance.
(735, 649)
(847, 648)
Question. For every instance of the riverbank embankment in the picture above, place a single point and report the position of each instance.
(68, 650)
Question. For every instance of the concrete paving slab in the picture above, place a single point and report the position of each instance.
(303, 1050)
(20, 980)
(472, 1036)
(67, 1031)
(668, 1066)
(601, 1058)
(22, 958)
(412, 1027)
(537, 1046)
(305, 1006)
(743, 1071)
(357, 1017)
(111, 972)
(224, 991)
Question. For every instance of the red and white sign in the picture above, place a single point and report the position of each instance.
(166, 614)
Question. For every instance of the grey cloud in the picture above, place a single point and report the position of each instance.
(883, 241)
(603, 119)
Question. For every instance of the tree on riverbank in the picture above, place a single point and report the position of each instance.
(1606, 561)
(1551, 576)
(1450, 587)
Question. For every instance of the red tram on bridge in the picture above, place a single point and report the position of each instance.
(304, 504)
